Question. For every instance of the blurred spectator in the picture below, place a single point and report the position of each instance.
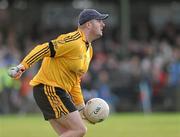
(104, 90)
(174, 68)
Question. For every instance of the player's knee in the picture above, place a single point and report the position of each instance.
(82, 131)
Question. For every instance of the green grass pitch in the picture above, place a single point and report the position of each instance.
(117, 125)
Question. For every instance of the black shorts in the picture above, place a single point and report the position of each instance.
(53, 101)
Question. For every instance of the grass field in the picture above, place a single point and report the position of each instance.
(119, 125)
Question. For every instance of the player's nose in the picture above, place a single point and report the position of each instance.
(102, 23)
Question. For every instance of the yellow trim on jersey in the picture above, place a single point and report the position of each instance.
(73, 37)
(36, 54)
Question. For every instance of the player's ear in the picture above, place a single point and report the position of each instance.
(88, 24)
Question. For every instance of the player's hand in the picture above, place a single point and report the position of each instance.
(84, 117)
(16, 72)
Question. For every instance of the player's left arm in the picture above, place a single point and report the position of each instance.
(39, 52)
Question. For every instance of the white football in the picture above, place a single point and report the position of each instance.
(96, 110)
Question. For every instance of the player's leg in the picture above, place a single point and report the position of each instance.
(57, 127)
(57, 107)
(69, 126)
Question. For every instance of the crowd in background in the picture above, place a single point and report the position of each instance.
(143, 75)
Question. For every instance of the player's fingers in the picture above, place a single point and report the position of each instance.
(17, 75)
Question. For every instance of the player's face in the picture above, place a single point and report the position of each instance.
(97, 28)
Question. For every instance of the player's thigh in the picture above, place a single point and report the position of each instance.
(72, 121)
(69, 123)
(57, 126)
(53, 102)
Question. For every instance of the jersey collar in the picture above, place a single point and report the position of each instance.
(83, 37)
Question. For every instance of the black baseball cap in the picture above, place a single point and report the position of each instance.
(90, 14)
